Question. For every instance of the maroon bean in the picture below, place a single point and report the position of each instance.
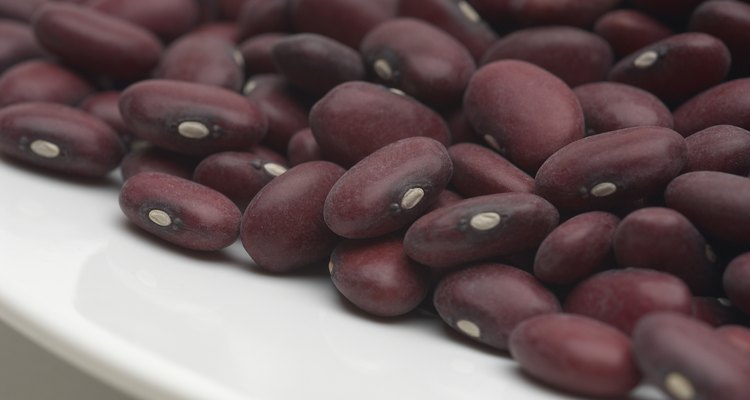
(478, 171)
(480, 228)
(713, 311)
(230, 9)
(444, 199)
(303, 148)
(263, 16)
(59, 138)
(203, 59)
(180, 211)
(576, 249)
(622, 297)
(419, 59)
(677, 67)
(629, 30)
(191, 118)
(357, 118)
(609, 106)
(576, 354)
(154, 159)
(667, 8)
(716, 202)
(737, 282)
(736, 335)
(460, 128)
(105, 106)
(496, 12)
(256, 51)
(38, 80)
(688, 360)
(17, 44)
(224, 30)
(377, 277)
(487, 301)
(282, 228)
(574, 55)
(268, 154)
(96, 42)
(556, 12)
(723, 104)
(166, 19)
(729, 21)
(19, 10)
(526, 124)
(721, 148)
(612, 169)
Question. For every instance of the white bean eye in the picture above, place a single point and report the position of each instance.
(411, 198)
(159, 217)
(193, 130)
(383, 69)
(485, 221)
(603, 189)
(45, 149)
(646, 59)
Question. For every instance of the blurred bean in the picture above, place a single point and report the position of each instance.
(737, 335)
(38, 80)
(556, 12)
(224, 30)
(17, 44)
(724, 104)
(167, 19)
(105, 106)
(714, 311)
(263, 16)
(737, 282)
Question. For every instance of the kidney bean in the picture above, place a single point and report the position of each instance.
(669, 9)
(496, 12)
(716, 202)
(609, 106)
(167, 19)
(729, 21)
(105, 106)
(284, 108)
(191, 118)
(419, 59)
(19, 10)
(612, 168)
(377, 277)
(737, 335)
(688, 360)
(154, 159)
(96, 42)
(17, 44)
(38, 80)
(629, 30)
(256, 51)
(460, 128)
(237, 175)
(445, 198)
(524, 125)
(713, 311)
(268, 154)
(577, 354)
(721, 148)
(180, 211)
(677, 67)
(224, 30)
(230, 9)
(622, 297)
(576, 249)
(315, 63)
(487, 301)
(263, 16)
(203, 59)
(303, 148)
(574, 55)
(283, 228)
(59, 138)
(479, 228)
(737, 282)
(478, 171)
(356, 118)
(724, 104)
(567, 12)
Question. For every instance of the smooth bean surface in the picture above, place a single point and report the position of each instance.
(38, 80)
(203, 59)
(737, 282)
(722, 148)
(724, 104)
(628, 30)
(478, 171)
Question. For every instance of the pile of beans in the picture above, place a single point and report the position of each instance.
(563, 180)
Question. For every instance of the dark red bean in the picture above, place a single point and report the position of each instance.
(622, 297)
(496, 12)
(557, 12)
(166, 19)
(303, 148)
(736, 335)
(180, 211)
(224, 30)
(487, 301)
(445, 198)
(478, 171)
(723, 104)
(19, 10)
(575, 250)
(460, 128)
(96, 42)
(17, 44)
(714, 311)
(256, 51)
(479, 228)
(722, 148)
(357, 118)
(716, 202)
(689, 360)
(729, 21)
(612, 169)
(191, 118)
(105, 106)
(574, 55)
(577, 354)
(268, 154)
(282, 228)
(37, 80)
(59, 138)
(263, 16)
(629, 30)
(203, 59)
(669, 9)
(677, 67)
(377, 277)
(737, 282)
(609, 106)
(526, 125)
(419, 59)
(315, 63)
(230, 9)
(154, 159)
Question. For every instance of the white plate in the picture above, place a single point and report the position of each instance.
(162, 323)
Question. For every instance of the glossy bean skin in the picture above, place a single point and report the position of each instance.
(303, 148)
(479, 171)
(356, 118)
(714, 311)
(723, 104)
(487, 301)
(609, 106)
(479, 228)
(576, 249)
(170, 114)
(675, 68)
(420, 59)
(283, 228)
(180, 211)
(96, 42)
(388, 189)
(737, 335)
(612, 169)
(622, 297)
(17, 44)
(376, 276)
(531, 124)
(737, 282)
(203, 59)
(688, 359)
(154, 159)
(587, 57)
(567, 12)
(629, 30)
(715, 202)
(577, 354)
(166, 19)
(263, 16)
(105, 106)
(59, 138)
(256, 51)
(38, 80)
(722, 148)
(315, 63)
(728, 21)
